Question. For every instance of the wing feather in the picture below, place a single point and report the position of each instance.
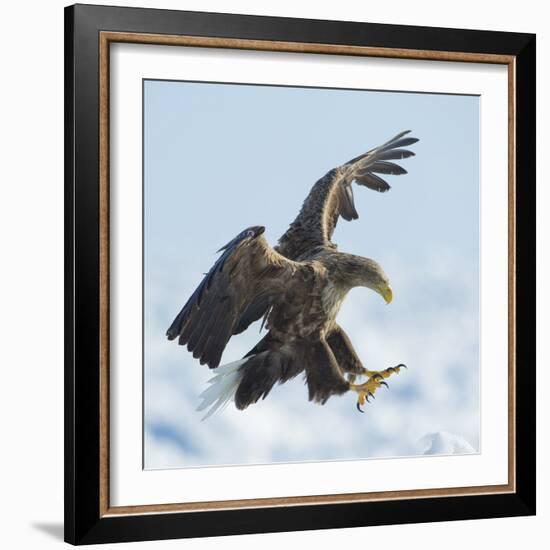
(384, 167)
(332, 196)
(247, 270)
(396, 154)
(374, 182)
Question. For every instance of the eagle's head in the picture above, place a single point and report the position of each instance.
(358, 271)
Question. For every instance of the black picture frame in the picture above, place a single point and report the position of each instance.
(84, 523)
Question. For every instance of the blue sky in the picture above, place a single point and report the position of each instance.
(221, 157)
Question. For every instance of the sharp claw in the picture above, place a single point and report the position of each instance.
(367, 398)
(383, 384)
(377, 375)
(401, 366)
(372, 395)
(359, 408)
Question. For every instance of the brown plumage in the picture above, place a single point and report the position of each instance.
(298, 287)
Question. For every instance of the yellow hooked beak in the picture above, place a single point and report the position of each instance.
(387, 293)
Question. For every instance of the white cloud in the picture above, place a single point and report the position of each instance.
(444, 443)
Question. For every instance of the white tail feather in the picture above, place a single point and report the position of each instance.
(222, 387)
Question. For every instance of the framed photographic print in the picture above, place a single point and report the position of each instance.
(361, 349)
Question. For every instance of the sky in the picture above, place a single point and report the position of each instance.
(221, 157)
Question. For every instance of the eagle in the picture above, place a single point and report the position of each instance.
(297, 287)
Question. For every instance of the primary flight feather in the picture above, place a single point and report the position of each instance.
(298, 288)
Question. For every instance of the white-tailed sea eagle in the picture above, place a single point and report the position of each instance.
(298, 288)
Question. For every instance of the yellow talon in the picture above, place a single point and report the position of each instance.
(375, 380)
(384, 373)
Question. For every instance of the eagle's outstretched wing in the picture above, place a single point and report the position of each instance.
(332, 196)
(247, 276)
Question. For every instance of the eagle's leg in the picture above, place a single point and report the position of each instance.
(375, 380)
